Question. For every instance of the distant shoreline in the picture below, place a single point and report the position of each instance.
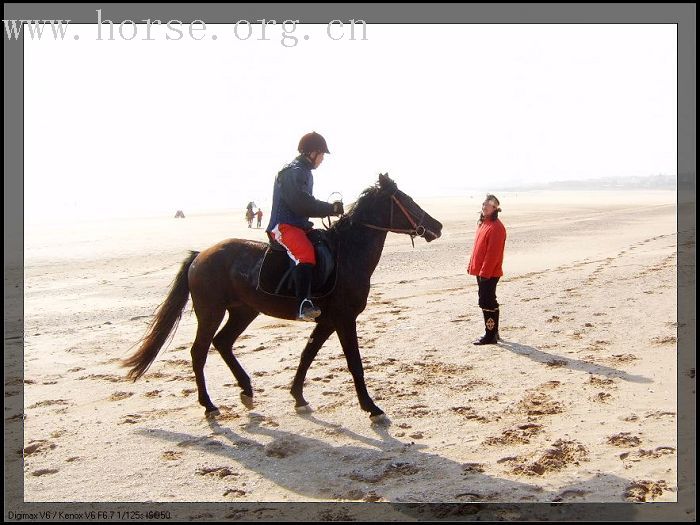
(653, 182)
(91, 220)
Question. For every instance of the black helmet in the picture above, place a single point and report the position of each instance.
(312, 142)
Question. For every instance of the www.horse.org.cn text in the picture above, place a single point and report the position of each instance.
(285, 32)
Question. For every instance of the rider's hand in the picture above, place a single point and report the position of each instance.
(337, 208)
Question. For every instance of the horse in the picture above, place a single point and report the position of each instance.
(224, 278)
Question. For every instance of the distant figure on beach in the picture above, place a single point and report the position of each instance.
(259, 216)
(292, 205)
(249, 214)
(179, 214)
(486, 264)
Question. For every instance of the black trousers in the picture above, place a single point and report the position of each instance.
(487, 293)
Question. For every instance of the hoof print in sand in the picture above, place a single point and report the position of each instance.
(670, 340)
(392, 470)
(539, 404)
(602, 382)
(44, 471)
(561, 455)
(171, 455)
(38, 446)
(119, 396)
(283, 447)
(602, 397)
(569, 495)
(219, 472)
(641, 454)
(645, 489)
(130, 419)
(557, 363)
(49, 402)
(624, 439)
(227, 412)
(469, 413)
(518, 435)
(105, 377)
(472, 468)
(622, 358)
(659, 414)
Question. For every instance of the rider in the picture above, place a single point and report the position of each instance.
(292, 205)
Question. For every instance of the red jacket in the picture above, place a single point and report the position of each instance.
(487, 254)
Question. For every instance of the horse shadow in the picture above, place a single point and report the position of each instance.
(572, 364)
(366, 469)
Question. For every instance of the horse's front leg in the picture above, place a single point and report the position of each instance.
(347, 333)
(319, 336)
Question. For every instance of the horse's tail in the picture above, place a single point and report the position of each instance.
(163, 324)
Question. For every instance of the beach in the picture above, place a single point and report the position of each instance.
(576, 404)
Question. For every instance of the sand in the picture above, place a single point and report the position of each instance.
(577, 403)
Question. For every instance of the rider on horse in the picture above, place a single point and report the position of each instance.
(292, 205)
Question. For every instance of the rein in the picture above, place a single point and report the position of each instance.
(418, 229)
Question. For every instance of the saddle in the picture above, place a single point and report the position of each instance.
(275, 277)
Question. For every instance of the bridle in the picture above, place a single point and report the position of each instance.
(417, 228)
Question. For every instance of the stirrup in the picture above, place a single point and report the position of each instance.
(308, 312)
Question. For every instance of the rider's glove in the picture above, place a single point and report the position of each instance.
(337, 208)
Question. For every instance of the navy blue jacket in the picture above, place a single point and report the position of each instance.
(292, 198)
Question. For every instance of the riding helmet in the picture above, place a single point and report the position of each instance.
(312, 142)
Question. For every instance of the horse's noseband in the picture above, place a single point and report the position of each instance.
(418, 230)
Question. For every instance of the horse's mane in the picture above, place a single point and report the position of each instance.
(369, 195)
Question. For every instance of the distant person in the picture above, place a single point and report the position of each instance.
(259, 215)
(292, 205)
(486, 264)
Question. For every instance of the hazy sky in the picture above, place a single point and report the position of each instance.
(156, 126)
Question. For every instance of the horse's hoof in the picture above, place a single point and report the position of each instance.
(304, 409)
(380, 419)
(211, 414)
(247, 401)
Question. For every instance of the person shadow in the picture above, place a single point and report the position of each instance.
(364, 468)
(572, 364)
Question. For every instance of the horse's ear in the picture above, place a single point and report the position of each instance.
(385, 182)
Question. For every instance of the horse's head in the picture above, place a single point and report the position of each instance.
(385, 207)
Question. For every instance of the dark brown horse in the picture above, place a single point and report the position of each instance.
(224, 278)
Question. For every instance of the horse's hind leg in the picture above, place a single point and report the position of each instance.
(319, 336)
(238, 320)
(207, 324)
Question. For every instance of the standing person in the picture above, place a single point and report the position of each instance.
(249, 214)
(292, 205)
(259, 215)
(486, 263)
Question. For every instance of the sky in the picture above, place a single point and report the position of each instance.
(137, 126)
